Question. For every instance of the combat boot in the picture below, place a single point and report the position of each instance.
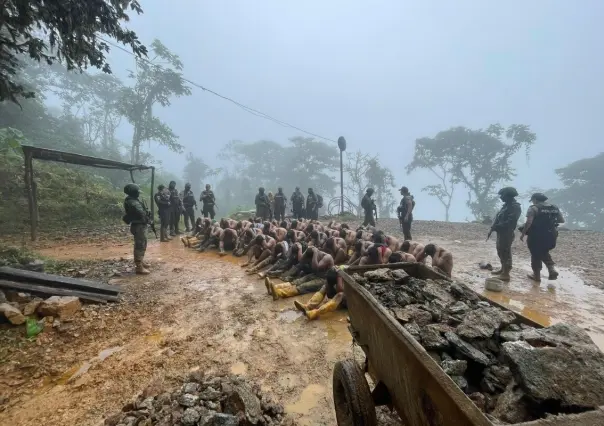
(497, 271)
(505, 274)
(141, 270)
(535, 276)
(553, 274)
(329, 306)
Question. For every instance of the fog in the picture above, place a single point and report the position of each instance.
(382, 74)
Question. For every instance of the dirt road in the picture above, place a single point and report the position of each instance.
(202, 311)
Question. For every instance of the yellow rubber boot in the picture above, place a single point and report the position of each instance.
(283, 292)
(314, 301)
(323, 309)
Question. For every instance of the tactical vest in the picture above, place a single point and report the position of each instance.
(207, 197)
(188, 199)
(279, 200)
(545, 221)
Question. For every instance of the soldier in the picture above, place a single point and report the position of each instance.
(505, 224)
(312, 205)
(209, 201)
(297, 204)
(369, 207)
(542, 220)
(137, 216)
(280, 203)
(175, 209)
(405, 212)
(162, 200)
(189, 204)
(262, 204)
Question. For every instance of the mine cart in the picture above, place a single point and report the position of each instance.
(406, 378)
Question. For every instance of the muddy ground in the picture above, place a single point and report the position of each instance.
(202, 312)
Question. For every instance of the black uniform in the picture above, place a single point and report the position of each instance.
(280, 202)
(162, 201)
(542, 235)
(505, 225)
(369, 207)
(209, 201)
(263, 206)
(189, 204)
(402, 212)
(298, 205)
(175, 210)
(312, 206)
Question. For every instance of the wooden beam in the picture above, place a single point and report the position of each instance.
(43, 290)
(57, 281)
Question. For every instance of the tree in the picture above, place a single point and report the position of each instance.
(442, 168)
(60, 31)
(157, 81)
(196, 170)
(479, 159)
(356, 167)
(582, 198)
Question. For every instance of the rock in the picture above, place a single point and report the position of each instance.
(210, 394)
(458, 308)
(214, 406)
(12, 314)
(496, 378)
(31, 307)
(479, 400)
(359, 278)
(510, 336)
(437, 290)
(145, 404)
(413, 330)
(35, 265)
(466, 350)
(63, 307)
(400, 276)
(413, 313)
(190, 387)
(82, 273)
(243, 400)
(460, 381)
(571, 377)
(18, 297)
(432, 339)
(460, 291)
(511, 406)
(379, 275)
(435, 356)
(190, 417)
(196, 376)
(188, 400)
(219, 419)
(483, 304)
(3, 297)
(556, 335)
(481, 323)
(456, 367)
(114, 420)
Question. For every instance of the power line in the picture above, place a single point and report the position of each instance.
(226, 98)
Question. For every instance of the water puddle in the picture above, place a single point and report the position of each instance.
(309, 399)
(156, 337)
(239, 369)
(79, 370)
(289, 315)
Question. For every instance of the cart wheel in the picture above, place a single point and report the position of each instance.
(351, 396)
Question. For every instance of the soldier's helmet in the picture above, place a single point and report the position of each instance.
(508, 191)
(261, 190)
(310, 190)
(280, 189)
(161, 187)
(187, 186)
(297, 188)
(539, 197)
(370, 191)
(131, 189)
(208, 186)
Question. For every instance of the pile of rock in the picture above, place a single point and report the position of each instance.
(16, 307)
(512, 371)
(203, 401)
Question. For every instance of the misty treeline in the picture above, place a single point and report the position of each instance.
(480, 162)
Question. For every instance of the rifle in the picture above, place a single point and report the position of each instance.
(150, 221)
(489, 234)
(375, 214)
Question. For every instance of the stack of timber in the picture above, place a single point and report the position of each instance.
(55, 285)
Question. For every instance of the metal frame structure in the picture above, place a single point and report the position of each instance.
(31, 152)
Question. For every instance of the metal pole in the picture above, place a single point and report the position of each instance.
(152, 201)
(341, 183)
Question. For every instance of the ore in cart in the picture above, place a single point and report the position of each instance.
(407, 379)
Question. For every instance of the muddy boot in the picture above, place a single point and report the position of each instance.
(300, 306)
(497, 271)
(553, 274)
(314, 301)
(535, 276)
(505, 274)
(268, 283)
(184, 240)
(283, 292)
(323, 309)
(141, 270)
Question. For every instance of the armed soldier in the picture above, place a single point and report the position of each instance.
(298, 204)
(405, 212)
(175, 209)
(505, 225)
(312, 205)
(369, 207)
(262, 204)
(209, 201)
(280, 203)
(138, 217)
(542, 220)
(189, 204)
(162, 200)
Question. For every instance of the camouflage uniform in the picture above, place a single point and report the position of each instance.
(138, 217)
(312, 208)
(162, 200)
(175, 210)
(505, 225)
(262, 205)
(297, 204)
(209, 201)
(189, 203)
(368, 206)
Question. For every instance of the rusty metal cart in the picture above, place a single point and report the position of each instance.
(407, 379)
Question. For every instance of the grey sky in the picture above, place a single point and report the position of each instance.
(383, 73)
